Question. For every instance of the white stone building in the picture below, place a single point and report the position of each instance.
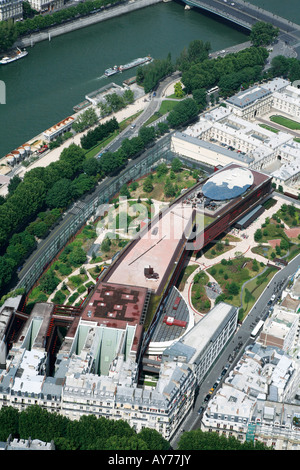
(11, 9)
(96, 373)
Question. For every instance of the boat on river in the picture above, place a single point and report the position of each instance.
(130, 65)
(13, 57)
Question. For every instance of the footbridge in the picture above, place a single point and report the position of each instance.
(245, 15)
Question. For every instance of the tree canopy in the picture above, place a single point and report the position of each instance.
(263, 34)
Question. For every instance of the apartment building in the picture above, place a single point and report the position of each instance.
(46, 5)
(95, 372)
(259, 400)
(11, 9)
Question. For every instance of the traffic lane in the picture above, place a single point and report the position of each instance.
(248, 14)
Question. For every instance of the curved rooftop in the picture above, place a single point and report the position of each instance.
(228, 184)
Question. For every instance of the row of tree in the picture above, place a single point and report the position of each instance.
(101, 132)
(53, 188)
(92, 433)
(10, 31)
(88, 433)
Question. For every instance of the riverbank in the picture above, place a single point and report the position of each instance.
(83, 22)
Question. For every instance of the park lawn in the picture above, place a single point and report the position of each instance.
(263, 250)
(213, 252)
(269, 128)
(184, 275)
(236, 271)
(283, 121)
(199, 298)
(75, 281)
(290, 220)
(255, 287)
(272, 231)
(183, 180)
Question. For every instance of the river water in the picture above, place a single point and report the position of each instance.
(42, 89)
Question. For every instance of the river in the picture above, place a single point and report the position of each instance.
(42, 89)
(288, 9)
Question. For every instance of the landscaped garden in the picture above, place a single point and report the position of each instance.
(275, 238)
(231, 275)
(286, 122)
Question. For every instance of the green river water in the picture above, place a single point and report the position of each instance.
(42, 89)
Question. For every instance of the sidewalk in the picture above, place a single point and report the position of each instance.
(243, 246)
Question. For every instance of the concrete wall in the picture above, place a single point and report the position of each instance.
(201, 154)
(84, 21)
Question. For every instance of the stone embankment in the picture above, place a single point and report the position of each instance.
(82, 22)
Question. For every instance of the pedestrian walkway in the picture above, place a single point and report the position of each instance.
(243, 246)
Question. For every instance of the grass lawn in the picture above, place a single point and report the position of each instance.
(199, 297)
(183, 179)
(184, 275)
(254, 288)
(269, 128)
(236, 271)
(166, 107)
(283, 121)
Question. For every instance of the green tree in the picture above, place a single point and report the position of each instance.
(61, 194)
(128, 96)
(153, 439)
(86, 119)
(74, 155)
(148, 185)
(258, 235)
(49, 282)
(9, 422)
(263, 34)
(178, 90)
(176, 165)
(8, 34)
(77, 256)
(183, 112)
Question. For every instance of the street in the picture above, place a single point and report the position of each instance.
(234, 349)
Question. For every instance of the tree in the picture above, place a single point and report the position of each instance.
(178, 90)
(124, 191)
(128, 96)
(13, 184)
(8, 34)
(77, 256)
(74, 155)
(199, 96)
(153, 439)
(198, 50)
(263, 34)
(169, 189)
(176, 165)
(233, 288)
(61, 193)
(9, 422)
(49, 282)
(86, 119)
(105, 245)
(258, 235)
(147, 185)
(183, 112)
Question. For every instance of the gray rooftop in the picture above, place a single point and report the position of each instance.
(248, 97)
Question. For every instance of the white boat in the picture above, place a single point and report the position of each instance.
(18, 55)
(136, 63)
(130, 65)
(111, 71)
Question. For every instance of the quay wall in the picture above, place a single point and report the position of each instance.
(83, 22)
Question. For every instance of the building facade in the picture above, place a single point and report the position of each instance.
(11, 9)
